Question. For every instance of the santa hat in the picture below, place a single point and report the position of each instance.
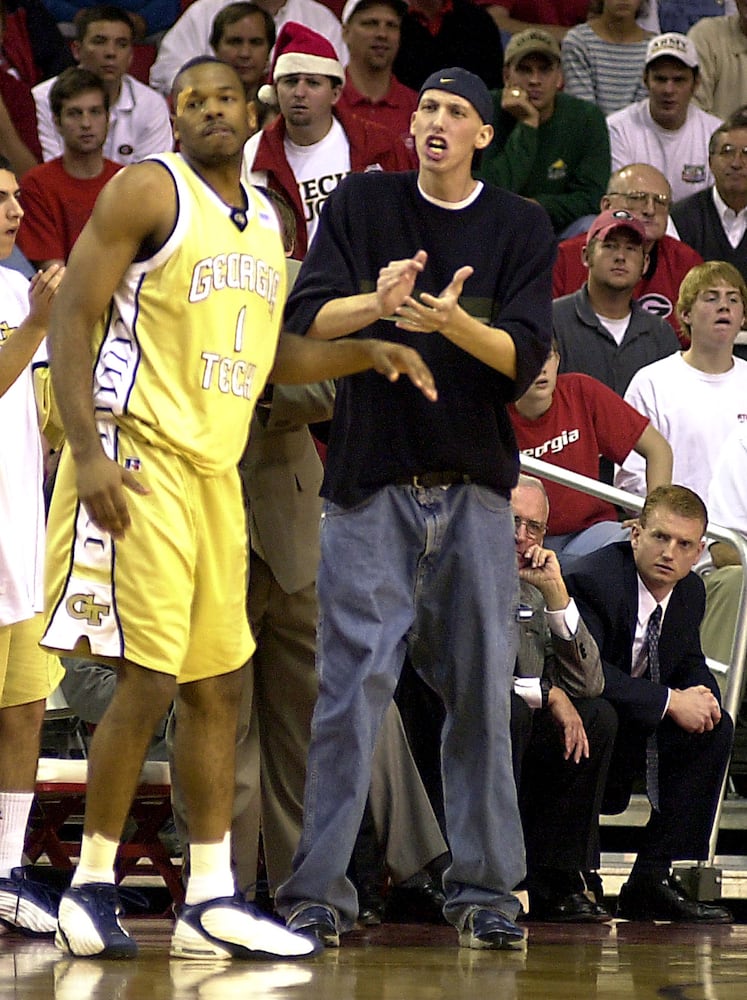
(300, 50)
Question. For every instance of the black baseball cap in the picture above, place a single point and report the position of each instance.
(461, 82)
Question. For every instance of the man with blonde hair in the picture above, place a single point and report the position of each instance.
(696, 397)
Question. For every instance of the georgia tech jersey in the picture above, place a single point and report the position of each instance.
(185, 349)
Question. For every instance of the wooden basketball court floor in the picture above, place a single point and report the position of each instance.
(406, 962)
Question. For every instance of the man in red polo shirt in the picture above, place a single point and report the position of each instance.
(371, 30)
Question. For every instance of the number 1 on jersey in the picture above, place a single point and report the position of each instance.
(238, 340)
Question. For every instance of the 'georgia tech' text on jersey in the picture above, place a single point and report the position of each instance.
(185, 349)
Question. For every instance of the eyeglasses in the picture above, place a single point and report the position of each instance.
(637, 199)
(730, 152)
(534, 529)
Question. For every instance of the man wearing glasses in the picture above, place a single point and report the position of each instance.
(714, 221)
(645, 193)
(562, 732)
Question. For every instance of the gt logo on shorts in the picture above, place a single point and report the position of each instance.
(84, 608)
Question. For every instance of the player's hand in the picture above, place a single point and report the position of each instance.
(393, 360)
(42, 290)
(101, 486)
(434, 312)
(515, 101)
(695, 709)
(568, 721)
(397, 280)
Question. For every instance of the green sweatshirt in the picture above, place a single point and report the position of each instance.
(564, 164)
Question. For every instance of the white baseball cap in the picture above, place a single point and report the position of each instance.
(675, 46)
(398, 6)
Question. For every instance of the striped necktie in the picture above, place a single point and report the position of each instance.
(652, 750)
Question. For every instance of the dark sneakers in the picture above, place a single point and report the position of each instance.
(665, 899)
(486, 928)
(89, 924)
(316, 921)
(27, 906)
(229, 927)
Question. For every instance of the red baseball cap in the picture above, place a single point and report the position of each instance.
(610, 221)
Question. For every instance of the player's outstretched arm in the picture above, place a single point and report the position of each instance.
(137, 204)
(301, 359)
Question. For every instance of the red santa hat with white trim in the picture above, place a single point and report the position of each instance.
(298, 49)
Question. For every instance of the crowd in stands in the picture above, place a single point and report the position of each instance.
(621, 127)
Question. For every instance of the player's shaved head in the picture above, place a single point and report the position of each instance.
(192, 65)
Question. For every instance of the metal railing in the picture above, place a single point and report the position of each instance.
(715, 533)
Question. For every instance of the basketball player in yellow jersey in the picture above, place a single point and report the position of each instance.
(146, 555)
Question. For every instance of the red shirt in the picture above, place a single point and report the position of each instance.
(565, 12)
(393, 112)
(56, 208)
(658, 289)
(336, 6)
(586, 419)
(432, 22)
(17, 98)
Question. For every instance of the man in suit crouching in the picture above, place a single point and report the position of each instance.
(643, 605)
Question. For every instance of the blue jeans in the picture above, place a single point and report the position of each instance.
(433, 571)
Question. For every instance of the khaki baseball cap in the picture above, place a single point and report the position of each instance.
(529, 42)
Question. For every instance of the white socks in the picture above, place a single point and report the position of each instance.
(97, 855)
(210, 875)
(14, 816)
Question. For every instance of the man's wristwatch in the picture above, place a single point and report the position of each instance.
(545, 686)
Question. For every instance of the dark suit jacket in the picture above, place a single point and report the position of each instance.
(605, 586)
